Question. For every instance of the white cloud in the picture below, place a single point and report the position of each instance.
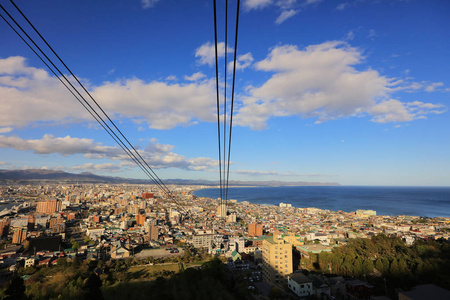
(287, 8)
(350, 36)
(207, 52)
(395, 111)
(2, 163)
(257, 4)
(243, 61)
(255, 172)
(372, 34)
(6, 129)
(91, 167)
(285, 15)
(320, 81)
(161, 105)
(62, 145)
(276, 173)
(342, 6)
(432, 87)
(308, 2)
(157, 155)
(172, 78)
(148, 3)
(30, 95)
(195, 76)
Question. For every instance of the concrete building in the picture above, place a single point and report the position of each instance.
(301, 285)
(277, 259)
(31, 222)
(147, 195)
(222, 210)
(140, 220)
(48, 206)
(20, 235)
(4, 228)
(255, 229)
(153, 232)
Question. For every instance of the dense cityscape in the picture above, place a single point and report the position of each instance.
(271, 251)
(338, 162)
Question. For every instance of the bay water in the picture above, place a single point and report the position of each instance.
(385, 200)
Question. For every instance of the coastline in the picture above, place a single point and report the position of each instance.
(427, 201)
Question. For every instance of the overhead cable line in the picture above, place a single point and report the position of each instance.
(232, 98)
(225, 97)
(87, 92)
(136, 157)
(67, 87)
(224, 178)
(218, 101)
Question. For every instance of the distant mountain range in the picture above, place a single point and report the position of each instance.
(33, 175)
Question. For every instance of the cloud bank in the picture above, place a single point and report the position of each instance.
(157, 155)
(31, 95)
(322, 81)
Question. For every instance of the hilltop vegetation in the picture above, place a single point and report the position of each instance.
(390, 258)
(386, 262)
(115, 280)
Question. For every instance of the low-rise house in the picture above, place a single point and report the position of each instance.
(94, 232)
(322, 289)
(235, 255)
(119, 251)
(337, 286)
(300, 284)
(359, 289)
(30, 262)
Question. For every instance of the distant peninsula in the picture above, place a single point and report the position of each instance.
(32, 175)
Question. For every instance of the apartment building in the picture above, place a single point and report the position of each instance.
(277, 259)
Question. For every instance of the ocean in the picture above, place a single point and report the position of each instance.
(414, 201)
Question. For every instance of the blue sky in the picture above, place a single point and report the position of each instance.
(355, 92)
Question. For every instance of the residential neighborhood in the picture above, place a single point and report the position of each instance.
(112, 222)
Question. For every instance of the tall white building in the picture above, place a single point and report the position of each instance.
(222, 210)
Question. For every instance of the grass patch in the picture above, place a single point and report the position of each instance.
(151, 271)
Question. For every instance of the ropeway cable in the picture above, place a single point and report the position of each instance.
(139, 161)
(232, 99)
(218, 102)
(224, 182)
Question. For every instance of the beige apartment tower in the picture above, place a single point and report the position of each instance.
(222, 210)
(153, 232)
(48, 206)
(255, 229)
(19, 235)
(277, 259)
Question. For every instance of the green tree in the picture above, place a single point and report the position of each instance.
(402, 266)
(367, 266)
(394, 269)
(379, 265)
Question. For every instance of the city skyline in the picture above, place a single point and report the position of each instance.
(353, 92)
